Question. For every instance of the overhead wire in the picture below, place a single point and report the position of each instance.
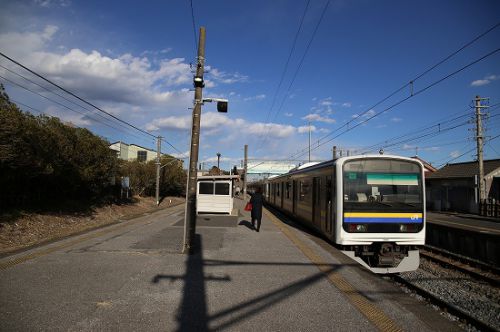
(71, 101)
(285, 96)
(285, 69)
(83, 100)
(194, 27)
(62, 105)
(406, 98)
(411, 82)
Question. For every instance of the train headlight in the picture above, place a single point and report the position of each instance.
(358, 228)
(407, 228)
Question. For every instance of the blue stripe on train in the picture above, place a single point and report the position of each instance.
(382, 220)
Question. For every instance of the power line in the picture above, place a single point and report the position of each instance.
(81, 99)
(67, 99)
(410, 83)
(65, 106)
(74, 95)
(408, 97)
(194, 27)
(301, 62)
(287, 61)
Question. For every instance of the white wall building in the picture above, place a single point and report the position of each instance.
(132, 152)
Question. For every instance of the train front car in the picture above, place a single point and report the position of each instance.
(381, 206)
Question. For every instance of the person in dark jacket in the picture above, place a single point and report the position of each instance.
(256, 201)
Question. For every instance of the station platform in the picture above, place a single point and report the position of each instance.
(132, 276)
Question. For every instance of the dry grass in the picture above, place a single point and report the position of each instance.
(32, 228)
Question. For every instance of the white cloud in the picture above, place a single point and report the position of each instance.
(123, 78)
(213, 123)
(396, 119)
(225, 78)
(257, 97)
(51, 3)
(305, 129)
(485, 81)
(346, 104)
(318, 118)
(288, 114)
(455, 154)
(69, 117)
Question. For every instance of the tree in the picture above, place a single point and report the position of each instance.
(43, 159)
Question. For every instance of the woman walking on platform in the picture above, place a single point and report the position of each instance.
(256, 213)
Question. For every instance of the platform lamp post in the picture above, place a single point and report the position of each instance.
(190, 212)
(218, 162)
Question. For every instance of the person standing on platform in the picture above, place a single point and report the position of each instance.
(256, 201)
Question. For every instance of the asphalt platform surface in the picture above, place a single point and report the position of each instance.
(132, 276)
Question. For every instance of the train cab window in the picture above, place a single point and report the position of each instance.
(206, 188)
(222, 189)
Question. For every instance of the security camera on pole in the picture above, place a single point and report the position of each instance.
(190, 213)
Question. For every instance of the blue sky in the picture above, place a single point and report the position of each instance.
(133, 60)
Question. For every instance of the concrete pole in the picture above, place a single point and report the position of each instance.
(479, 141)
(334, 152)
(158, 165)
(245, 164)
(190, 213)
(309, 141)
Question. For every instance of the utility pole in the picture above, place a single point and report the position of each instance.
(309, 141)
(158, 166)
(190, 213)
(479, 143)
(245, 164)
(334, 152)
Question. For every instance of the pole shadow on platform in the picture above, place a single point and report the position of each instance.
(193, 314)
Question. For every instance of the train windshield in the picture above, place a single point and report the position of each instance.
(382, 185)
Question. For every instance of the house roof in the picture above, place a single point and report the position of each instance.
(465, 170)
(428, 166)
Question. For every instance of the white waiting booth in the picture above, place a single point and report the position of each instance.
(214, 194)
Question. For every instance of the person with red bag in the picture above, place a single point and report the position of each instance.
(256, 206)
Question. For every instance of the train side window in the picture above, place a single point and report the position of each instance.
(328, 189)
(287, 190)
(304, 190)
(278, 185)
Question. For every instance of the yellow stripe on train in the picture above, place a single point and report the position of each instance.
(381, 215)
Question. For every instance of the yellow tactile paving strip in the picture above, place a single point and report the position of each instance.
(375, 315)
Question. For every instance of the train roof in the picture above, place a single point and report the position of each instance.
(334, 161)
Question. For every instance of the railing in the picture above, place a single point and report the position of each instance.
(489, 208)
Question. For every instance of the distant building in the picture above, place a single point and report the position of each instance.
(428, 168)
(132, 152)
(454, 187)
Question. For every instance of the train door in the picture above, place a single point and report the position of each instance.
(328, 205)
(317, 202)
(294, 197)
(282, 184)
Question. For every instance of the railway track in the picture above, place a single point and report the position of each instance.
(463, 287)
(474, 268)
(446, 306)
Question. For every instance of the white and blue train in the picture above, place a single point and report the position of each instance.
(371, 207)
